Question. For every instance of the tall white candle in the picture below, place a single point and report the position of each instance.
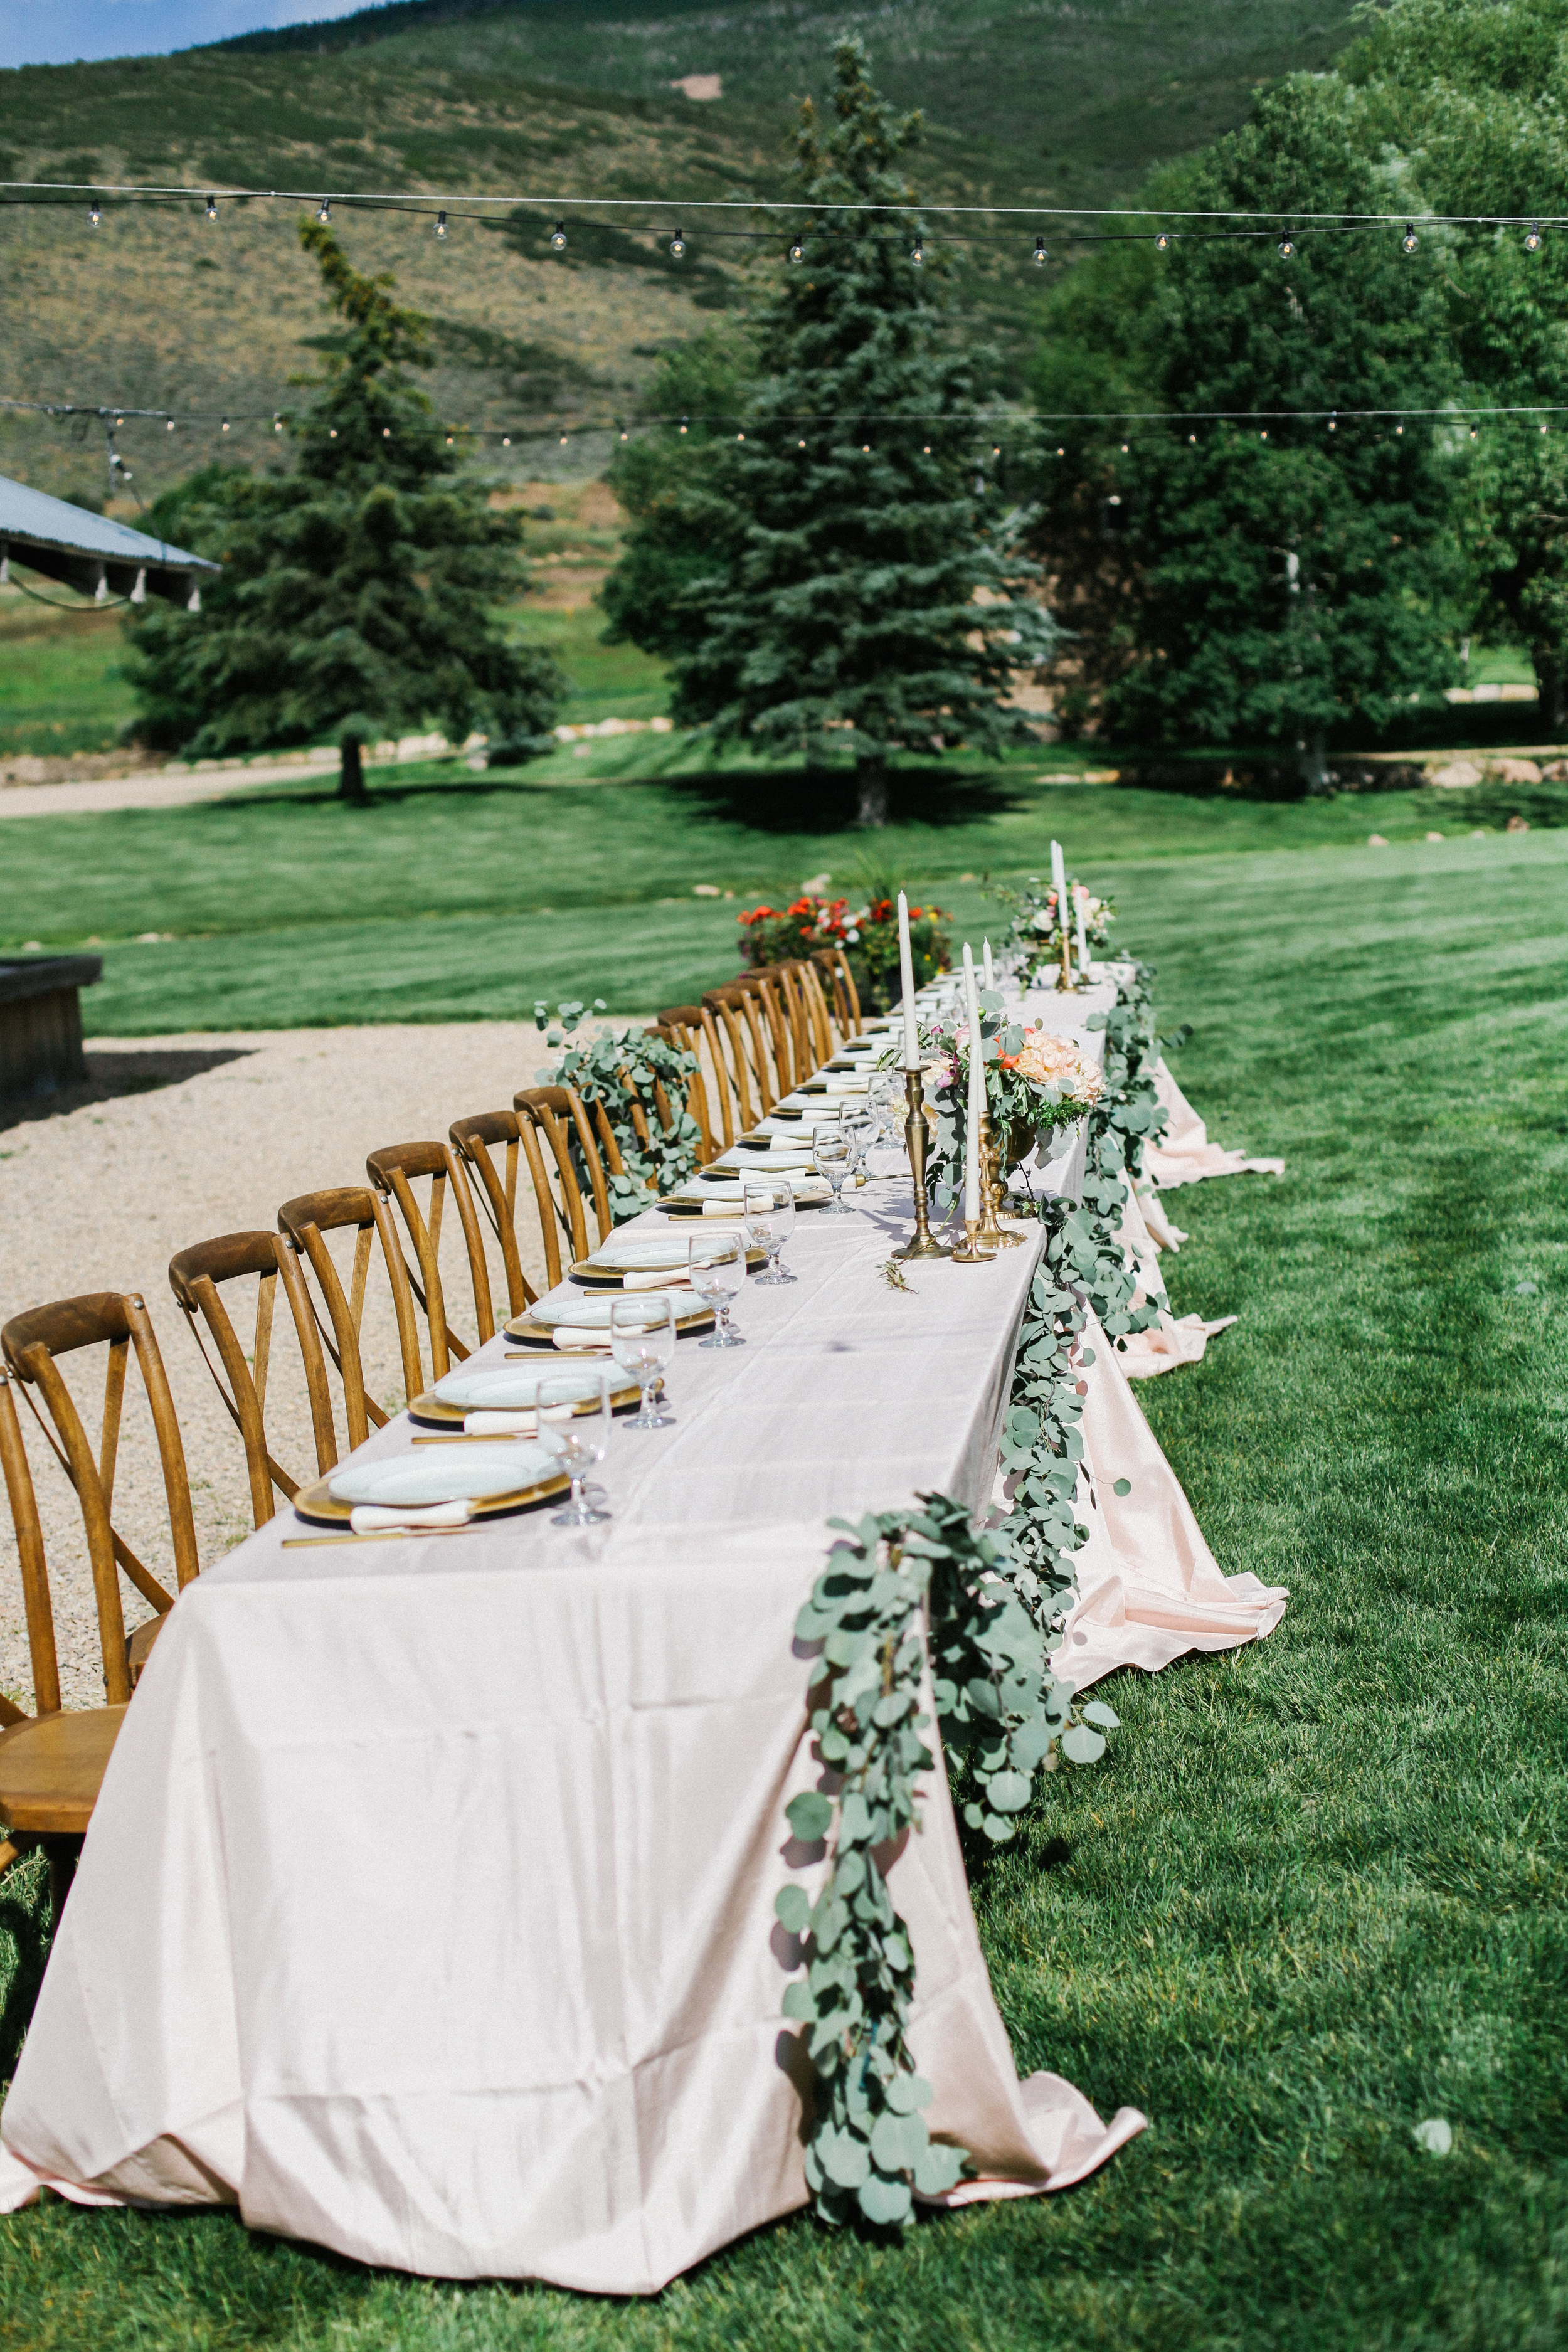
(985, 959)
(907, 987)
(1060, 884)
(1082, 935)
(976, 1096)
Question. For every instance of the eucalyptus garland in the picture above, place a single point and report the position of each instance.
(625, 1070)
(1005, 1718)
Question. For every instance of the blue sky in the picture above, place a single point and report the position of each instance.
(53, 32)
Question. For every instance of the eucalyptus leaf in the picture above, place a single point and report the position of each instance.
(1082, 1746)
(886, 2202)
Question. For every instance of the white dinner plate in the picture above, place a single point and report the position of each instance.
(643, 1253)
(590, 1314)
(445, 1474)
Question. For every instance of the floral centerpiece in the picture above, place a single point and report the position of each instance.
(1035, 1084)
(1036, 926)
(868, 936)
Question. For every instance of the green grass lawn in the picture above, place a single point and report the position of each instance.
(1316, 1892)
(61, 685)
(458, 896)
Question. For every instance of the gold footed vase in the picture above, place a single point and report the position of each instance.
(993, 1233)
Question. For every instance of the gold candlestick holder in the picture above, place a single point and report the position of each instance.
(1064, 977)
(971, 1253)
(993, 1232)
(916, 1134)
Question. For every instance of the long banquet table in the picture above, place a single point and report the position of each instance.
(426, 1910)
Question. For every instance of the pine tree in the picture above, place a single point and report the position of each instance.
(858, 593)
(358, 590)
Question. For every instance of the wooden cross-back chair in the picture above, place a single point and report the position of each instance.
(195, 1276)
(815, 1024)
(52, 1762)
(304, 1223)
(560, 1116)
(741, 1012)
(689, 1028)
(473, 1141)
(767, 988)
(394, 1170)
(31, 1344)
(835, 964)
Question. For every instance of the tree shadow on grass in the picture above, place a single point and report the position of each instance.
(802, 801)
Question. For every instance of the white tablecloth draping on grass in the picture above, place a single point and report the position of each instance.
(427, 1908)
(1184, 1154)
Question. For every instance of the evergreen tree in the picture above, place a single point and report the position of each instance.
(858, 592)
(1237, 582)
(357, 592)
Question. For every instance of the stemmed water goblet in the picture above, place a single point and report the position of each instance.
(769, 1220)
(718, 1269)
(642, 1340)
(830, 1156)
(859, 1134)
(572, 1419)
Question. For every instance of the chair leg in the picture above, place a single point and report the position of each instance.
(63, 1852)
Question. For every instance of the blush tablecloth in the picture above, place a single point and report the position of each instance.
(426, 1911)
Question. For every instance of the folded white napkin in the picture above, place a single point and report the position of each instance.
(373, 1519)
(493, 1424)
(671, 1279)
(570, 1334)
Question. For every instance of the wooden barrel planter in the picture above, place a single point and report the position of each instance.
(40, 1021)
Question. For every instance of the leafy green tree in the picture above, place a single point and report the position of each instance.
(358, 590)
(1479, 88)
(857, 593)
(1238, 582)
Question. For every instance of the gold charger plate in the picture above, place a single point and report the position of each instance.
(679, 1207)
(321, 1508)
(524, 1332)
(595, 1278)
(431, 1411)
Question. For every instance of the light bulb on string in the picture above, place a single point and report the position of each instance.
(212, 209)
(558, 237)
(505, 440)
(169, 424)
(386, 432)
(677, 246)
(441, 225)
(797, 250)
(1334, 425)
(1409, 240)
(332, 432)
(1061, 453)
(277, 425)
(917, 251)
(1398, 429)
(223, 426)
(1125, 446)
(1472, 432)
(94, 213)
(1162, 243)
(928, 448)
(324, 211)
(740, 436)
(1041, 256)
(1193, 437)
(625, 436)
(1532, 242)
(1287, 247)
(683, 424)
(800, 444)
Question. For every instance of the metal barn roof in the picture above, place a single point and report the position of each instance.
(93, 554)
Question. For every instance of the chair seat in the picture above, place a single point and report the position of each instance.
(51, 1768)
(138, 1648)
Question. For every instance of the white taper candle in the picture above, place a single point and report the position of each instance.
(907, 987)
(1060, 884)
(977, 1096)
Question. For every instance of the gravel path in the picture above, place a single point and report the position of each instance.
(171, 1142)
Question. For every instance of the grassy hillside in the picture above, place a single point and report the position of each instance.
(1055, 104)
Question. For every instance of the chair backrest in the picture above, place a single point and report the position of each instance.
(36, 1596)
(846, 996)
(394, 1170)
(560, 1116)
(686, 1027)
(739, 1014)
(813, 1027)
(305, 1221)
(31, 1344)
(767, 988)
(473, 1141)
(195, 1276)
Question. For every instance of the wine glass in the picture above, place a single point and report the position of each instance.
(573, 1425)
(642, 1341)
(861, 1134)
(830, 1156)
(769, 1220)
(718, 1270)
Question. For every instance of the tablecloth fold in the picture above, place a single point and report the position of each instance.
(1185, 1154)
